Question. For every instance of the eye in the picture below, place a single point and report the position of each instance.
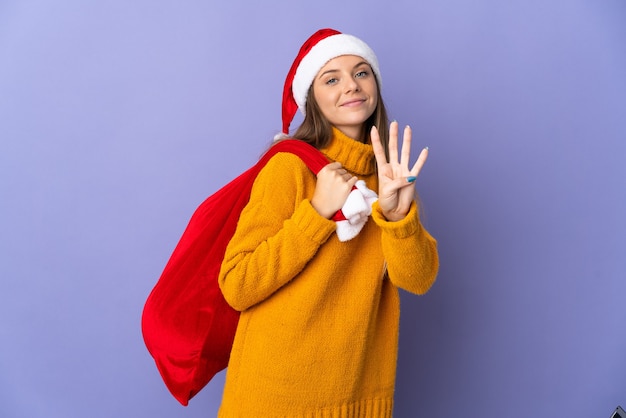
(330, 81)
(361, 74)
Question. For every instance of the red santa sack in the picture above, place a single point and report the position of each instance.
(187, 325)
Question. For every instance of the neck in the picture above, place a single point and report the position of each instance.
(355, 156)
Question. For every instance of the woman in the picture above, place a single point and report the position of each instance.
(318, 332)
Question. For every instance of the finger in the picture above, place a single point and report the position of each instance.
(393, 142)
(346, 176)
(393, 187)
(406, 147)
(331, 167)
(379, 151)
(421, 160)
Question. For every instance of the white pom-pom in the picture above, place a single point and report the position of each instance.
(357, 208)
(280, 136)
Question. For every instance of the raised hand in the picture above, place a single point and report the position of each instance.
(395, 179)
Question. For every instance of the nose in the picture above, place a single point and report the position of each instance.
(351, 85)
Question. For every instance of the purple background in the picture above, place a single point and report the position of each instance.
(117, 118)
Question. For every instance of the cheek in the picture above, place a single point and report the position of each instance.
(321, 95)
(374, 95)
(325, 101)
(374, 89)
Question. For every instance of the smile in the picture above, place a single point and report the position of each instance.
(353, 103)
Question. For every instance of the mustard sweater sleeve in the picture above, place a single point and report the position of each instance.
(410, 251)
(277, 234)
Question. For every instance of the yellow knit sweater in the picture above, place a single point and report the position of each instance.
(318, 333)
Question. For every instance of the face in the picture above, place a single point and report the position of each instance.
(346, 92)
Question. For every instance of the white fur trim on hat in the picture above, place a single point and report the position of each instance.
(325, 50)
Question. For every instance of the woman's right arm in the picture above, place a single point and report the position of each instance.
(278, 232)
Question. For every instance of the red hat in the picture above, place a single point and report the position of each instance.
(321, 47)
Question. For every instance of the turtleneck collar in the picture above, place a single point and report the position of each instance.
(352, 154)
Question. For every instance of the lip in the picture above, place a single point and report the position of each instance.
(353, 102)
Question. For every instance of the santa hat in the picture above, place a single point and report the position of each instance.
(321, 47)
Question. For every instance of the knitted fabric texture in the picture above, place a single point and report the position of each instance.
(318, 331)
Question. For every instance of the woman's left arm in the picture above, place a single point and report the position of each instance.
(410, 251)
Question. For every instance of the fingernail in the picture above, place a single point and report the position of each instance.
(426, 148)
(411, 179)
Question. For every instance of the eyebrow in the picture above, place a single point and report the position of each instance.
(334, 70)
